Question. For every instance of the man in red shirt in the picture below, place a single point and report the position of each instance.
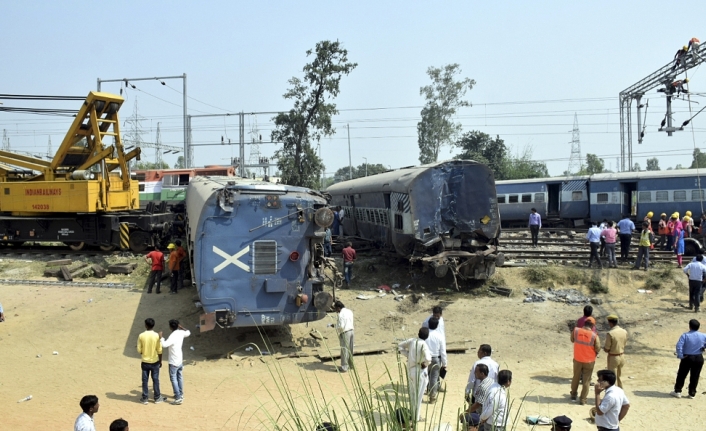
(348, 258)
(156, 257)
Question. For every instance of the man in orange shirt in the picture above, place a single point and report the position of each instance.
(174, 264)
(182, 264)
(586, 348)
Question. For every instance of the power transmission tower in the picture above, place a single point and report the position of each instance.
(49, 150)
(575, 161)
(255, 147)
(5, 140)
(158, 148)
(134, 135)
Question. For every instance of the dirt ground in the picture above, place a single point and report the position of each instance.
(94, 331)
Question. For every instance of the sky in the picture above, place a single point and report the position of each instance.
(536, 66)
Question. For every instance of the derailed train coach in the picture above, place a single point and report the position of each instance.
(443, 215)
(256, 252)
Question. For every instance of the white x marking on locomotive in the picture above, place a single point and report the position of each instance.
(231, 259)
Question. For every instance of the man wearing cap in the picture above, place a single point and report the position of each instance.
(470, 421)
(174, 261)
(586, 348)
(615, 341)
(561, 423)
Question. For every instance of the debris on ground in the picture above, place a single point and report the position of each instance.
(567, 296)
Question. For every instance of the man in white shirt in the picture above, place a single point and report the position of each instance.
(614, 406)
(84, 422)
(176, 358)
(341, 215)
(418, 359)
(437, 348)
(484, 352)
(436, 312)
(345, 335)
(495, 408)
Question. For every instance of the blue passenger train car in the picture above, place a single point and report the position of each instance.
(560, 201)
(574, 201)
(444, 215)
(255, 251)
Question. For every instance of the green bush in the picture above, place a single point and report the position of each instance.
(595, 285)
(574, 276)
(540, 275)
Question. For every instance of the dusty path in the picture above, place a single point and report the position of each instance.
(94, 331)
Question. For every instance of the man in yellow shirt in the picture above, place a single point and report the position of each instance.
(150, 348)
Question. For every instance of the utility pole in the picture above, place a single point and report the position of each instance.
(366, 166)
(158, 149)
(188, 158)
(5, 140)
(350, 165)
(134, 136)
(575, 162)
(49, 151)
(241, 116)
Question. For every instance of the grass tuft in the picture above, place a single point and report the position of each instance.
(595, 285)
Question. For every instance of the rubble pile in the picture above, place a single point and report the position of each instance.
(567, 296)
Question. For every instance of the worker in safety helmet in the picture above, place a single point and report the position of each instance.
(680, 58)
(689, 225)
(662, 231)
(694, 45)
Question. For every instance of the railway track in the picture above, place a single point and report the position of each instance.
(575, 254)
(56, 251)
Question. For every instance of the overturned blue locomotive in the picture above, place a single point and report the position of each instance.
(255, 252)
(444, 215)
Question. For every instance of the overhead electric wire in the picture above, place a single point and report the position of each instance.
(38, 97)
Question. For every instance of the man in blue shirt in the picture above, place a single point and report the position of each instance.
(696, 272)
(535, 223)
(690, 349)
(594, 239)
(625, 228)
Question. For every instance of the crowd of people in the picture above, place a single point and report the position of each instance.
(603, 237)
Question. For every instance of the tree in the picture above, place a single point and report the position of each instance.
(653, 164)
(143, 166)
(443, 97)
(594, 165)
(358, 172)
(180, 163)
(310, 118)
(522, 166)
(482, 148)
(699, 160)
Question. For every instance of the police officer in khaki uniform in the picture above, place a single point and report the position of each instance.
(615, 342)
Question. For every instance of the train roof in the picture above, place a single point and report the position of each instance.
(397, 180)
(217, 181)
(613, 176)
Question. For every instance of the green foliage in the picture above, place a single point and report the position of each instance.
(595, 285)
(594, 165)
(539, 275)
(522, 166)
(653, 164)
(310, 118)
(443, 97)
(574, 276)
(143, 166)
(699, 160)
(481, 147)
(657, 279)
(180, 164)
(358, 172)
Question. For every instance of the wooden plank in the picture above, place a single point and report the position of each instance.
(99, 271)
(456, 349)
(66, 273)
(366, 349)
(52, 272)
(59, 262)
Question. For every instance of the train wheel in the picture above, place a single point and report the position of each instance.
(108, 247)
(139, 241)
(76, 246)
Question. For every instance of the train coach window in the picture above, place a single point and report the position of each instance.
(539, 197)
(696, 196)
(399, 222)
(577, 196)
(501, 199)
(526, 198)
(679, 195)
(643, 197)
(512, 199)
(601, 198)
(662, 196)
